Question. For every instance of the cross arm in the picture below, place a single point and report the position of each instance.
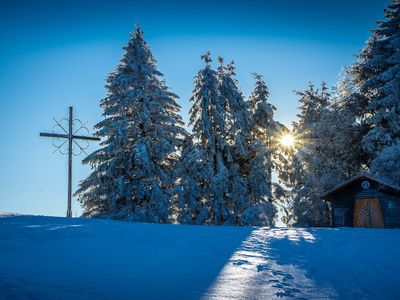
(88, 138)
(54, 135)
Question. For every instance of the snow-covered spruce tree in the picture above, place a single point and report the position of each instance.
(194, 175)
(386, 165)
(308, 164)
(207, 118)
(310, 136)
(263, 127)
(343, 133)
(142, 131)
(236, 151)
(377, 77)
(238, 118)
(264, 133)
(215, 184)
(249, 177)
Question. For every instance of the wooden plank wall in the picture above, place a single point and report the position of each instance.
(344, 203)
(391, 209)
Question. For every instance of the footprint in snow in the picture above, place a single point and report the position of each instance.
(261, 268)
(240, 262)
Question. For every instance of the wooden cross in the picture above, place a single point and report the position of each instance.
(70, 136)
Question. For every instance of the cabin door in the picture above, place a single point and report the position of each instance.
(368, 213)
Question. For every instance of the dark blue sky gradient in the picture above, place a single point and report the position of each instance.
(31, 25)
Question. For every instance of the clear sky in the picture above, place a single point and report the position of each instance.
(57, 53)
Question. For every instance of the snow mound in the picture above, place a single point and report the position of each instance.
(59, 258)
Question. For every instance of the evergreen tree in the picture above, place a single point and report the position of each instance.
(386, 165)
(344, 132)
(194, 175)
(310, 131)
(217, 185)
(264, 133)
(238, 118)
(207, 118)
(309, 166)
(249, 176)
(264, 128)
(237, 127)
(376, 75)
(141, 132)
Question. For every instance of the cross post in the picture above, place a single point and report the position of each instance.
(71, 136)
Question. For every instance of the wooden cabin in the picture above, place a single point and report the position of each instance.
(364, 201)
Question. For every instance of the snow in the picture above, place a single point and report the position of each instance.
(59, 258)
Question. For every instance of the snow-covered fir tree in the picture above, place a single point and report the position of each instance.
(132, 176)
(217, 185)
(247, 162)
(344, 131)
(386, 165)
(338, 155)
(207, 151)
(193, 176)
(264, 129)
(376, 75)
(308, 166)
(263, 126)
(264, 135)
(238, 119)
(236, 152)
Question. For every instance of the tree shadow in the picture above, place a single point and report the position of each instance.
(76, 258)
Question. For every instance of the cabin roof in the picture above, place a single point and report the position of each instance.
(363, 176)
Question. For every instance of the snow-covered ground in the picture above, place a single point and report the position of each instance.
(57, 258)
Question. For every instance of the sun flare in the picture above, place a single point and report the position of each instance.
(287, 140)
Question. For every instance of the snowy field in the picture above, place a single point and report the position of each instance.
(57, 258)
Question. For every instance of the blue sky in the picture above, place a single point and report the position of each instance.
(57, 53)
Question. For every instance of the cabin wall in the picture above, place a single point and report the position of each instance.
(342, 205)
(391, 209)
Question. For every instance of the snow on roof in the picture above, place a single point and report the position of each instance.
(355, 178)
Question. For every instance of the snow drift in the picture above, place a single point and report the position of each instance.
(59, 258)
